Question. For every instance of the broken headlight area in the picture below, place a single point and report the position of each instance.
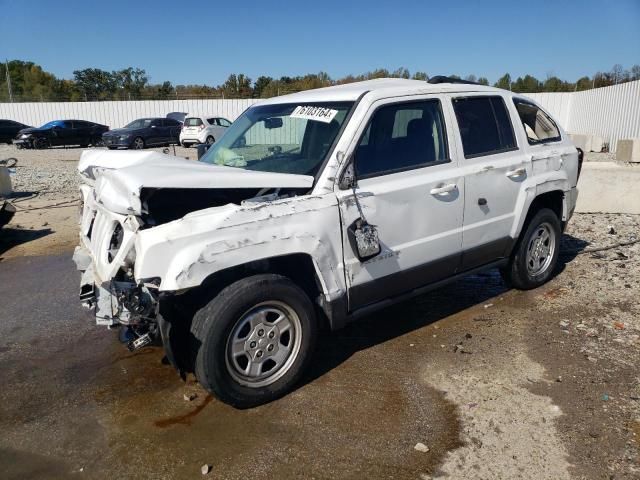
(121, 302)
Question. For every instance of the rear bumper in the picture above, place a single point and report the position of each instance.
(193, 139)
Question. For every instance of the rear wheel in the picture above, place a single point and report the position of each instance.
(252, 342)
(138, 143)
(97, 142)
(535, 256)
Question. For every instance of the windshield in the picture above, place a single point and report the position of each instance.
(285, 138)
(140, 123)
(55, 123)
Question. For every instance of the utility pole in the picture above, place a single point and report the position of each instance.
(6, 62)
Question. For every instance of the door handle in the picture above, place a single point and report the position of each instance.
(443, 189)
(518, 172)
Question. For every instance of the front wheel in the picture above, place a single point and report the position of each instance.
(41, 143)
(138, 143)
(535, 256)
(252, 342)
(210, 140)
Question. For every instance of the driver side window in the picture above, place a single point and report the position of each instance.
(402, 137)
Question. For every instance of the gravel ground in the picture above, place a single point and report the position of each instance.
(52, 173)
(544, 384)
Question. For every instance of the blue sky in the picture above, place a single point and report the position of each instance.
(205, 41)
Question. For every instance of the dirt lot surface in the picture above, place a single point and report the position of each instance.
(496, 383)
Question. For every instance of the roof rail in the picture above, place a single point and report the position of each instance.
(445, 79)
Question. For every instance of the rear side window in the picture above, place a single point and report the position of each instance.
(402, 137)
(192, 122)
(539, 126)
(170, 122)
(484, 125)
(212, 121)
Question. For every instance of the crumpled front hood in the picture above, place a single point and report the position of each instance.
(120, 177)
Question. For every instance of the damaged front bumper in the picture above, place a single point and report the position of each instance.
(115, 302)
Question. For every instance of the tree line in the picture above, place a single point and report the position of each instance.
(30, 83)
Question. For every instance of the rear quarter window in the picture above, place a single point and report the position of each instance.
(539, 127)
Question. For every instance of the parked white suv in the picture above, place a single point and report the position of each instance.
(198, 129)
(317, 208)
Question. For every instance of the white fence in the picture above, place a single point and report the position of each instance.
(610, 112)
(118, 114)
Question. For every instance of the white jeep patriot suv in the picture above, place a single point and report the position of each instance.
(316, 208)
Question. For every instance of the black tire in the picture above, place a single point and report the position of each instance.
(210, 140)
(214, 325)
(519, 272)
(138, 143)
(185, 145)
(97, 142)
(41, 143)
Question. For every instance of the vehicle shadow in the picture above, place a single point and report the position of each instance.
(570, 248)
(12, 236)
(334, 348)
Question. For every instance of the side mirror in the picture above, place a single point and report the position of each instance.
(273, 122)
(364, 239)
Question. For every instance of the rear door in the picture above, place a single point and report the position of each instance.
(494, 169)
(192, 127)
(410, 187)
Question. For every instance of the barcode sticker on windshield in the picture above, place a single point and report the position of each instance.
(319, 114)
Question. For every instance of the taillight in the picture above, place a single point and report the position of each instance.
(202, 126)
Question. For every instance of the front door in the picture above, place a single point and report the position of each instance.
(410, 188)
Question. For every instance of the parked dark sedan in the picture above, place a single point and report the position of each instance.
(144, 132)
(9, 129)
(61, 132)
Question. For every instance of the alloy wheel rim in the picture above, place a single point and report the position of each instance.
(263, 344)
(138, 143)
(541, 249)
